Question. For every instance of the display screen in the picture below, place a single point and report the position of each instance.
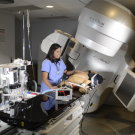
(63, 93)
(72, 44)
(126, 90)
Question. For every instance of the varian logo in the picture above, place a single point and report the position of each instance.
(97, 21)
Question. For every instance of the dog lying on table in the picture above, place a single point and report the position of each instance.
(87, 79)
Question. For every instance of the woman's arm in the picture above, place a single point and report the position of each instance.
(72, 72)
(45, 79)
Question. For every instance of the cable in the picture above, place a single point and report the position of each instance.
(84, 114)
(80, 103)
(50, 93)
(23, 38)
(87, 107)
(18, 110)
(30, 55)
(50, 90)
(88, 103)
(49, 96)
(34, 83)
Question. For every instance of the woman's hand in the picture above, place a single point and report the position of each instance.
(54, 87)
(73, 71)
(78, 71)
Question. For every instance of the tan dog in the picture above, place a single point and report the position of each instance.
(80, 78)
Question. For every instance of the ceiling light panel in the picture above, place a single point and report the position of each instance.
(49, 6)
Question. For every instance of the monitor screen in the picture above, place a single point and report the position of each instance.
(126, 90)
(63, 93)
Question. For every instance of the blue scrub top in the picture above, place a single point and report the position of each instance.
(53, 78)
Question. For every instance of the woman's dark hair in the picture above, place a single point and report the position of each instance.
(51, 52)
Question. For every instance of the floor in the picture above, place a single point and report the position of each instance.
(109, 120)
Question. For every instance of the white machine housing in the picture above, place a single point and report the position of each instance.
(13, 81)
(54, 38)
(13, 77)
(107, 28)
(112, 23)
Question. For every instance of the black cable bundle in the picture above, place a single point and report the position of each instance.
(87, 107)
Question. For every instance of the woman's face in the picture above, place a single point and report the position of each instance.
(57, 53)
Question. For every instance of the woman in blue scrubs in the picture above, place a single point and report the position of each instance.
(53, 68)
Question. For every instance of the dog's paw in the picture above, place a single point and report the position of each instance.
(84, 90)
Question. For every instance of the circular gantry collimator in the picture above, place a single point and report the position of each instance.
(104, 26)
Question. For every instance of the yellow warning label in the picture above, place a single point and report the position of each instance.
(22, 124)
(93, 105)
